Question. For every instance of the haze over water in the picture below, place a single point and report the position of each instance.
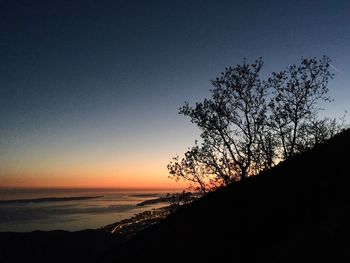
(72, 215)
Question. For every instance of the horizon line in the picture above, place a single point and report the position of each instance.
(89, 188)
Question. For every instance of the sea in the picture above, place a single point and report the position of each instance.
(25, 210)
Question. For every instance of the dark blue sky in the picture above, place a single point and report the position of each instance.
(85, 81)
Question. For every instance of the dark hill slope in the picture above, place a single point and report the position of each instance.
(292, 213)
(54, 246)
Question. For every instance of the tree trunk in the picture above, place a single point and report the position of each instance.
(244, 175)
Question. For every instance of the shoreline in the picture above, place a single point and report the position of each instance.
(140, 221)
(147, 212)
(128, 227)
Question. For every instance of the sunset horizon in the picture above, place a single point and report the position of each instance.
(95, 101)
(201, 131)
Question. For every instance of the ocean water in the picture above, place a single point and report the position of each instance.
(112, 206)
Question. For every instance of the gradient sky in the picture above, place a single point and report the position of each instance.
(90, 90)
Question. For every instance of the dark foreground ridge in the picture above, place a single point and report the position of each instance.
(296, 212)
(49, 199)
(55, 246)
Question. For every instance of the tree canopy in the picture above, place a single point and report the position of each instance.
(250, 124)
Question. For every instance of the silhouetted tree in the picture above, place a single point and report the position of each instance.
(320, 130)
(230, 124)
(296, 94)
(242, 134)
(191, 169)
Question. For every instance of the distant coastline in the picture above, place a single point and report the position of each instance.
(144, 195)
(49, 199)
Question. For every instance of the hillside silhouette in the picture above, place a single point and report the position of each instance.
(294, 212)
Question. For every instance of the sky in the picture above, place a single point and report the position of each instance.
(90, 90)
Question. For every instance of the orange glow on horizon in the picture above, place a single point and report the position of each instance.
(137, 170)
(142, 177)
